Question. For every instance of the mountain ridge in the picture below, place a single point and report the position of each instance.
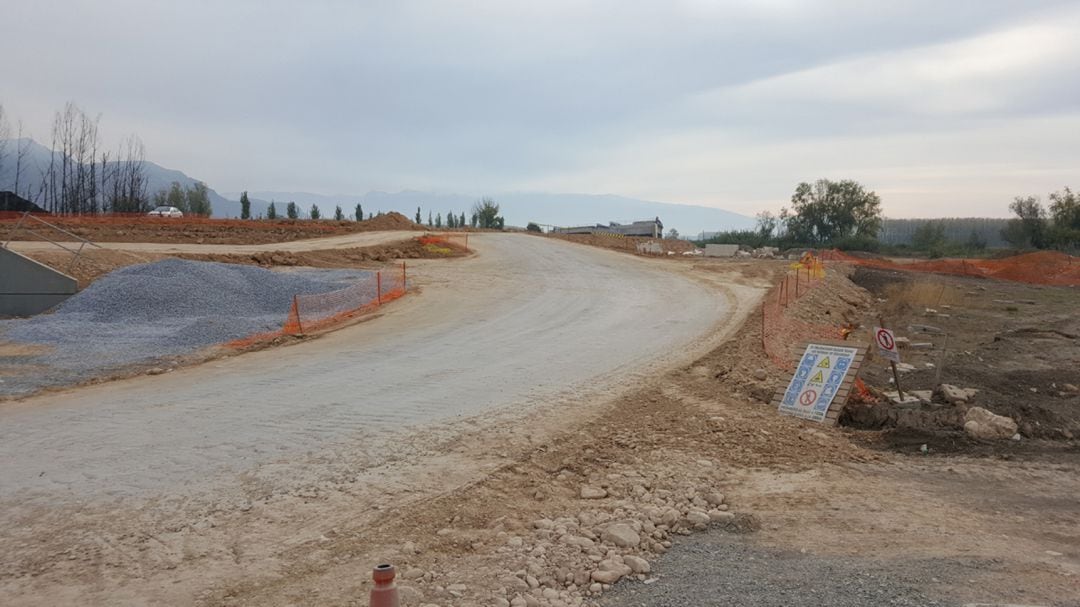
(519, 208)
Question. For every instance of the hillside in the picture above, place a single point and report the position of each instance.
(36, 164)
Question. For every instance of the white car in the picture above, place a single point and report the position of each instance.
(166, 212)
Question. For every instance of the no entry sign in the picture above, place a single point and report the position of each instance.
(886, 344)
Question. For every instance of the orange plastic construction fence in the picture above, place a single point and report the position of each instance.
(1042, 267)
(317, 311)
(458, 239)
(780, 329)
(311, 312)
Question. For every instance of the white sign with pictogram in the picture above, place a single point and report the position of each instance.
(817, 379)
(886, 344)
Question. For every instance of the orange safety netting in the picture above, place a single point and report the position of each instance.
(1042, 267)
(317, 311)
(460, 239)
(781, 330)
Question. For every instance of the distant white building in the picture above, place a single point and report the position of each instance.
(651, 228)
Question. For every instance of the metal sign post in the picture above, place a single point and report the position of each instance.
(886, 348)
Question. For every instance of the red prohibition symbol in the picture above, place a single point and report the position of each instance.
(885, 340)
(807, 398)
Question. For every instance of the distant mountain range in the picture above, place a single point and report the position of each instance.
(518, 208)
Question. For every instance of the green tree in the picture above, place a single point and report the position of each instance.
(1065, 213)
(198, 199)
(438, 220)
(475, 219)
(430, 221)
(766, 224)
(245, 206)
(673, 234)
(338, 214)
(177, 197)
(315, 214)
(975, 242)
(532, 227)
(461, 220)
(418, 215)
(1028, 229)
(359, 212)
(451, 220)
(929, 236)
(487, 214)
(271, 211)
(292, 211)
(830, 211)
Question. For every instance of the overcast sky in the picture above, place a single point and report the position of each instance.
(943, 108)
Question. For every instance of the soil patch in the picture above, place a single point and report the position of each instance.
(210, 231)
(1017, 344)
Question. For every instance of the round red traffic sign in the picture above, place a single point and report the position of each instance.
(807, 398)
(885, 340)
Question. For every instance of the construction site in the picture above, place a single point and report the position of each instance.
(226, 412)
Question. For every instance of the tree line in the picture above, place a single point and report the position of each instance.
(845, 215)
(82, 177)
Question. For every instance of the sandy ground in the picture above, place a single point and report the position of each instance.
(89, 475)
(359, 239)
(475, 504)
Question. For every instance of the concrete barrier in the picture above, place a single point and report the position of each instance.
(28, 287)
(721, 250)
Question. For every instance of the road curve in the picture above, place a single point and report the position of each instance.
(527, 320)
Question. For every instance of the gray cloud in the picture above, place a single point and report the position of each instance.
(723, 104)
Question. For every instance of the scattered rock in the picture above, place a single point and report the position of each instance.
(637, 564)
(982, 424)
(955, 396)
(621, 535)
(760, 375)
(592, 493)
(697, 518)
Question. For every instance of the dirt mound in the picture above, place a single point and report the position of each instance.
(391, 221)
(202, 230)
(1041, 267)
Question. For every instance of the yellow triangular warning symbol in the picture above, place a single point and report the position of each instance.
(824, 364)
(817, 378)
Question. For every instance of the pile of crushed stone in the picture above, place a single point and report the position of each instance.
(145, 313)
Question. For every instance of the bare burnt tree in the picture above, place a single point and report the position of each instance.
(22, 148)
(5, 134)
(128, 190)
(71, 180)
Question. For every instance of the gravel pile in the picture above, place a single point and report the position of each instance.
(142, 314)
(719, 569)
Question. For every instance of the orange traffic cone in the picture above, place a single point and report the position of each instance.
(384, 594)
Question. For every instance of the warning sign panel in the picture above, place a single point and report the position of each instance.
(886, 344)
(818, 377)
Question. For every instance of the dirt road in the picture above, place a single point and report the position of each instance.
(526, 323)
(346, 241)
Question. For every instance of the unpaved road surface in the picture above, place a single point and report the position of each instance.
(527, 322)
(346, 241)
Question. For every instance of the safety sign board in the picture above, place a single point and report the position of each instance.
(817, 379)
(886, 344)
